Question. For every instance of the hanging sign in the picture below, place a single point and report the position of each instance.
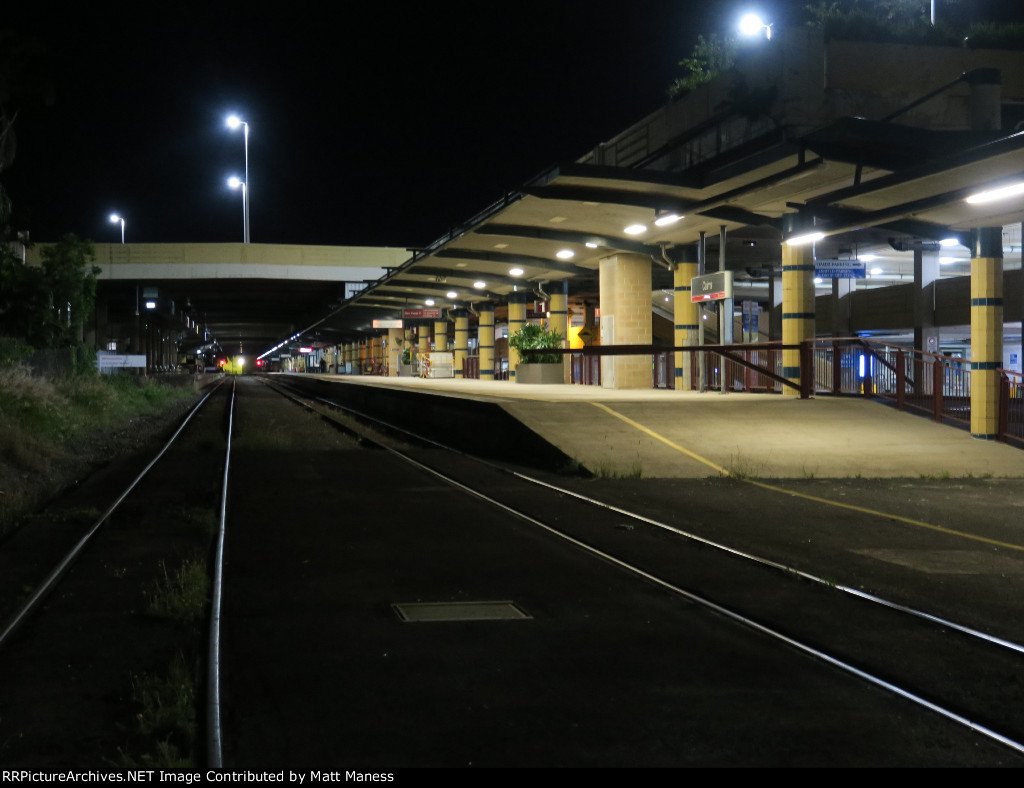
(387, 324)
(711, 287)
(421, 314)
(840, 269)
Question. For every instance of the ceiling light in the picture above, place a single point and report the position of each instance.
(515, 272)
(667, 219)
(950, 242)
(429, 302)
(591, 245)
(501, 246)
(817, 280)
(876, 271)
(867, 258)
(565, 254)
(635, 229)
(479, 285)
(451, 294)
(991, 195)
(807, 238)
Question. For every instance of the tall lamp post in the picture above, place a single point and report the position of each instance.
(234, 122)
(752, 24)
(114, 219)
(237, 183)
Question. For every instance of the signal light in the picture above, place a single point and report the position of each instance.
(259, 362)
(223, 361)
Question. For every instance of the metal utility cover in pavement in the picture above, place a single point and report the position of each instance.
(458, 611)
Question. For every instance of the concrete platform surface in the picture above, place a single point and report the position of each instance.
(669, 434)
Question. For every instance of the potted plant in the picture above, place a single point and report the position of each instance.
(537, 367)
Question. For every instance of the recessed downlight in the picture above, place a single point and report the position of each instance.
(429, 302)
(480, 285)
(451, 294)
(635, 229)
(565, 254)
(515, 272)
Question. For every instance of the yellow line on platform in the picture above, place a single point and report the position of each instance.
(782, 490)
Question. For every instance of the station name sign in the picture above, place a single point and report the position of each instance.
(711, 287)
(421, 314)
(840, 269)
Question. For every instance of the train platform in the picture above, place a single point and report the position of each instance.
(669, 434)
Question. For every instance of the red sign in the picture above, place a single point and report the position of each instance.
(421, 314)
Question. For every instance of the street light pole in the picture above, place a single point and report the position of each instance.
(114, 219)
(234, 122)
(238, 183)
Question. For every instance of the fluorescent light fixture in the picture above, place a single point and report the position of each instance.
(151, 305)
(876, 271)
(565, 254)
(950, 242)
(515, 272)
(667, 219)
(802, 240)
(635, 229)
(991, 195)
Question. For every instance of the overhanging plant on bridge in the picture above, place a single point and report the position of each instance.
(535, 337)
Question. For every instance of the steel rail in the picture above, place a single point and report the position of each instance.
(58, 572)
(722, 610)
(214, 732)
(788, 570)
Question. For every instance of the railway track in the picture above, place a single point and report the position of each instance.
(316, 574)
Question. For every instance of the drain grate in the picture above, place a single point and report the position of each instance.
(413, 612)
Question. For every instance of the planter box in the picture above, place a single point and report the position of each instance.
(539, 373)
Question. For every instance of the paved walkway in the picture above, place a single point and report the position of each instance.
(668, 434)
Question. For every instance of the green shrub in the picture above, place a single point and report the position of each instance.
(534, 337)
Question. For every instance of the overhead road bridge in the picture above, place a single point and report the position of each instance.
(173, 301)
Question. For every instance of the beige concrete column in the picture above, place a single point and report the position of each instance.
(396, 340)
(986, 329)
(559, 321)
(687, 320)
(485, 342)
(625, 281)
(797, 307)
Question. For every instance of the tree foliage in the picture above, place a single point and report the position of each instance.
(535, 337)
(47, 305)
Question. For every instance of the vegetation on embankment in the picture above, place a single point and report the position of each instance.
(53, 428)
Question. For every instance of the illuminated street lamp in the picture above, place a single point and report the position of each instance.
(234, 122)
(237, 183)
(114, 219)
(752, 24)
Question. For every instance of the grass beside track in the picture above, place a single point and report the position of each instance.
(48, 424)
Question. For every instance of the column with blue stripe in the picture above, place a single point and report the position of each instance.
(986, 329)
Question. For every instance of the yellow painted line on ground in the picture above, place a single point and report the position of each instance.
(805, 496)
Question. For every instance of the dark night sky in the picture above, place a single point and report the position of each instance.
(371, 123)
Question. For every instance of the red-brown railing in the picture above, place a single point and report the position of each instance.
(1011, 407)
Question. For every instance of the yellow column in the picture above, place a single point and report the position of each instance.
(461, 339)
(797, 307)
(516, 320)
(423, 347)
(625, 281)
(986, 329)
(687, 315)
(440, 336)
(485, 341)
(559, 321)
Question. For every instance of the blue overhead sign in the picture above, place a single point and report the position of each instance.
(840, 269)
